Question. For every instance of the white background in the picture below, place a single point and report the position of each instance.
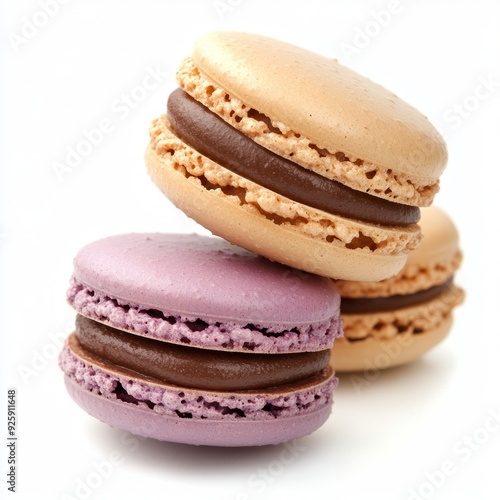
(391, 435)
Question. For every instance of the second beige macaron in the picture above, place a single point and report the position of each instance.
(395, 321)
(293, 156)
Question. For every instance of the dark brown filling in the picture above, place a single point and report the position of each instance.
(211, 136)
(195, 367)
(380, 304)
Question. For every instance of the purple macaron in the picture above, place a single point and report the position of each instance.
(190, 339)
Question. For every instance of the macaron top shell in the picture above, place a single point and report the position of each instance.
(440, 239)
(328, 103)
(203, 277)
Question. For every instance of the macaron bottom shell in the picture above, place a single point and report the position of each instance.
(376, 354)
(225, 217)
(144, 406)
(227, 433)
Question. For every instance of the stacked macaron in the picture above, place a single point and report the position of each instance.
(295, 160)
(189, 339)
(293, 156)
(395, 321)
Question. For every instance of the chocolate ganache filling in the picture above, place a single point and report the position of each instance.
(380, 304)
(195, 367)
(211, 136)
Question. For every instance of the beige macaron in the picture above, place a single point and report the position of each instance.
(395, 321)
(293, 156)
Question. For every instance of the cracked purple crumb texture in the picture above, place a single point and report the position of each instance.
(203, 292)
(197, 404)
(194, 331)
(206, 294)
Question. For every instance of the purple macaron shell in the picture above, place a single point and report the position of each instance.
(204, 292)
(203, 277)
(192, 416)
(226, 433)
(211, 335)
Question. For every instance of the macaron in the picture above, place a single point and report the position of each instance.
(190, 339)
(295, 157)
(396, 321)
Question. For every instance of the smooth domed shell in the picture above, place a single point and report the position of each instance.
(324, 101)
(203, 277)
(441, 239)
